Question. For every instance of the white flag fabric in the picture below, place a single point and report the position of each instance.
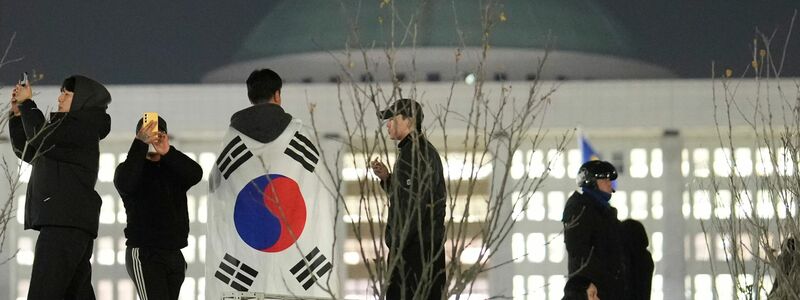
(270, 219)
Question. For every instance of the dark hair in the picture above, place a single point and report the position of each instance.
(417, 121)
(262, 85)
(69, 84)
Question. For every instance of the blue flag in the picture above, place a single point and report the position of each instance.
(588, 153)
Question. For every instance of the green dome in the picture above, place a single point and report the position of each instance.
(294, 27)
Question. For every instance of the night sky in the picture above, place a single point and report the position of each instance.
(177, 41)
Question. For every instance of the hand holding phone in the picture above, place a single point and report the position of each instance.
(150, 117)
(22, 91)
(23, 79)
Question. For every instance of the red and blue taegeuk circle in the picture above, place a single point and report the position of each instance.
(270, 213)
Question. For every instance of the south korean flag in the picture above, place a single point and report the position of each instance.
(269, 210)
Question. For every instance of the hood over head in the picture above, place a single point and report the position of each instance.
(261, 122)
(89, 94)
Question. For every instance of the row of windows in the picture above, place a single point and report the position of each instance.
(537, 287)
(110, 251)
(105, 289)
(536, 207)
(112, 210)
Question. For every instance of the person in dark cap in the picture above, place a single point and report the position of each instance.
(787, 272)
(61, 202)
(639, 260)
(417, 193)
(592, 232)
(153, 187)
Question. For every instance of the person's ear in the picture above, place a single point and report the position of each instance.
(276, 98)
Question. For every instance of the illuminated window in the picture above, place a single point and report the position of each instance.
(105, 289)
(107, 166)
(764, 207)
(122, 215)
(201, 288)
(685, 166)
(535, 165)
(25, 253)
(536, 287)
(518, 247)
(700, 247)
(745, 246)
(785, 162)
(354, 165)
(190, 249)
(517, 165)
(518, 282)
(555, 160)
(126, 290)
(121, 251)
(555, 248)
(786, 204)
(122, 157)
(721, 245)
(107, 213)
(657, 290)
(722, 162)
(656, 163)
(518, 203)
(639, 205)
(700, 157)
(702, 284)
(191, 207)
(724, 286)
(460, 165)
(105, 251)
(744, 280)
(620, 201)
(22, 289)
(536, 208)
(744, 162)
(723, 204)
(764, 165)
(202, 210)
(638, 163)
(702, 205)
(351, 257)
(555, 290)
(656, 244)
(657, 207)
(744, 205)
(536, 247)
(25, 173)
(574, 162)
(201, 243)
(207, 161)
(555, 205)
(188, 289)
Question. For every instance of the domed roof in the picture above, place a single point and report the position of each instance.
(294, 27)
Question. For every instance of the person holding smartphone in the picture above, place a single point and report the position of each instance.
(61, 202)
(153, 187)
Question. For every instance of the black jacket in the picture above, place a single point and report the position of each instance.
(592, 237)
(64, 152)
(154, 194)
(417, 195)
(639, 261)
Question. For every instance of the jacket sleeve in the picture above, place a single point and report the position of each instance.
(17, 134)
(187, 172)
(59, 139)
(128, 175)
(578, 232)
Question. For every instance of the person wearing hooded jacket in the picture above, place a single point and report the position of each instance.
(153, 187)
(61, 202)
(592, 233)
(639, 260)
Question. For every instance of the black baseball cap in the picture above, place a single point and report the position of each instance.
(406, 107)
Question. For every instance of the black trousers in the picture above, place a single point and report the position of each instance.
(157, 273)
(61, 268)
(419, 274)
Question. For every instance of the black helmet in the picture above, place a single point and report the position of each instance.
(593, 170)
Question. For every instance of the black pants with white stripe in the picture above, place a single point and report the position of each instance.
(157, 273)
(61, 268)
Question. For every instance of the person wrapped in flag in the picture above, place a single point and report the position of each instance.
(271, 218)
(417, 198)
(153, 187)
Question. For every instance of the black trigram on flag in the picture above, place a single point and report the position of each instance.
(303, 151)
(235, 273)
(233, 156)
(308, 273)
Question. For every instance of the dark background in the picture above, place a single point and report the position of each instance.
(177, 41)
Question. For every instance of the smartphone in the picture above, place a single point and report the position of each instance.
(150, 117)
(23, 79)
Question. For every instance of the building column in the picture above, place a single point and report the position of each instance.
(500, 278)
(673, 262)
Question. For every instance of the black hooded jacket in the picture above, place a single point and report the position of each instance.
(262, 122)
(64, 152)
(594, 245)
(639, 260)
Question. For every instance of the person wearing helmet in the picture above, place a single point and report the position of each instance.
(592, 233)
